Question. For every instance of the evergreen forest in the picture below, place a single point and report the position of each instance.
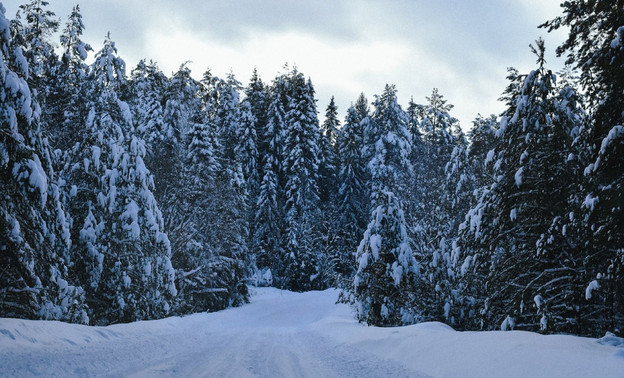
(127, 194)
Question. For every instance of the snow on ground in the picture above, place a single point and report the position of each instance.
(284, 334)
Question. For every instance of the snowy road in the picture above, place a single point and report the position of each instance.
(283, 334)
(272, 337)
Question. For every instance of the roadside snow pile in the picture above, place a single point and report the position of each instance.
(284, 334)
(611, 339)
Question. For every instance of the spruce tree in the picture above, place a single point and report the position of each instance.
(122, 253)
(257, 94)
(34, 38)
(246, 152)
(384, 287)
(301, 162)
(67, 93)
(327, 150)
(352, 198)
(529, 278)
(479, 174)
(230, 233)
(594, 47)
(327, 224)
(270, 216)
(434, 211)
(34, 230)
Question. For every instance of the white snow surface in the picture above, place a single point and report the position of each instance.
(285, 334)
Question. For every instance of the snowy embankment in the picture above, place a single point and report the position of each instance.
(284, 334)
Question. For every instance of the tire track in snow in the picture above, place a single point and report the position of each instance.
(272, 337)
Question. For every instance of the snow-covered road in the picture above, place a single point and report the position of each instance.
(284, 334)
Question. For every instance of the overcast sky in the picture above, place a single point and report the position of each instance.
(463, 48)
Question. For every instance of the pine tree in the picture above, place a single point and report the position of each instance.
(435, 211)
(246, 151)
(163, 110)
(329, 228)
(148, 94)
(257, 94)
(67, 91)
(352, 201)
(301, 162)
(34, 235)
(530, 276)
(229, 236)
(269, 216)
(361, 107)
(479, 174)
(387, 274)
(122, 253)
(327, 150)
(482, 140)
(594, 46)
(74, 49)
(33, 36)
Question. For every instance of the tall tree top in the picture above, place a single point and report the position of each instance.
(41, 22)
(109, 70)
(331, 123)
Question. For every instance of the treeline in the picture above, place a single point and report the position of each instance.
(127, 198)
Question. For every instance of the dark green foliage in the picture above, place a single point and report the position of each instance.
(594, 47)
(34, 235)
(529, 263)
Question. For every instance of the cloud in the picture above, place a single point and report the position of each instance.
(233, 21)
(345, 46)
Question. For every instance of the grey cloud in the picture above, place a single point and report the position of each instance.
(234, 20)
(476, 40)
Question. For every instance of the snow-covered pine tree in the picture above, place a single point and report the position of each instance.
(33, 36)
(529, 278)
(416, 113)
(75, 50)
(161, 108)
(246, 152)
(565, 305)
(362, 110)
(148, 87)
(479, 175)
(415, 188)
(483, 139)
(437, 127)
(66, 96)
(432, 211)
(352, 198)
(257, 94)
(301, 163)
(384, 287)
(328, 225)
(170, 129)
(270, 214)
(328, 153)
(227, 117)
(361, 106)
(229, 236)
(34, 230)
(595, 46)
(446, 265)
(122, 253)
(183, 187)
